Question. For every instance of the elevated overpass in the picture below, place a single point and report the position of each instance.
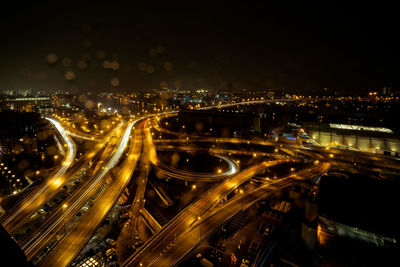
(70, 246)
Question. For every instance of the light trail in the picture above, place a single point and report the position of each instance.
(55, 180)
(69, 158)
(31, 246)
(184, 220)
(91, 138)
(233, 167)
(83, 137)
(66, 250)
(186, 175)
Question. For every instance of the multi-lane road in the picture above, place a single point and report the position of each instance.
(68, 209)
(77, 237)
(152, 253)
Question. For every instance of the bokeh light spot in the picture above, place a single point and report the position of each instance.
(153, 52)
(52, 58)
(67, 62)
(142, 66)
(82, 64)
(101, 54)
(115, 65)
(163, 84)
(89, 104)
(150, 69)
(167, 66)
(160, 49)
(114, 81)
(69, 75)
(106, 64)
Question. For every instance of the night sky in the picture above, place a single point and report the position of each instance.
(237, 44)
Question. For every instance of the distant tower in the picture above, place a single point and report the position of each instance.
(386, 90)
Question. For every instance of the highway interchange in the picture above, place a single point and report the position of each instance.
(111, 163)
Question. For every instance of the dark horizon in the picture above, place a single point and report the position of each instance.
(305, 46)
